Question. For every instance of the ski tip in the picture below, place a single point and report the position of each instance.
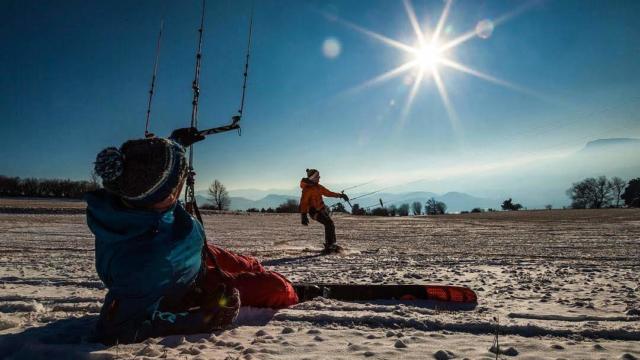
(449, 293)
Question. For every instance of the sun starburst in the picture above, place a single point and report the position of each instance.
(429, 54)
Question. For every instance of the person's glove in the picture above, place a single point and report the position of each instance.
(221, 308)
(304, 219)
(344, 197)
(186, 136)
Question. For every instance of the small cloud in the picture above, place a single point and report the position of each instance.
(331, 48)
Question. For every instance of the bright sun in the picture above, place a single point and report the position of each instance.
(428, 56)
(431, 53)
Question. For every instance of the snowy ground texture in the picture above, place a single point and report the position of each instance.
(563, 285)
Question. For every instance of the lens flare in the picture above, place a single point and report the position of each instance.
(484, 29)
(331, 48)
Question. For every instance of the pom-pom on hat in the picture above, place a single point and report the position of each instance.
(109, 164)
(144, 171)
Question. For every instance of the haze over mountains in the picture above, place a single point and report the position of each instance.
(455, 201)
(534, 184)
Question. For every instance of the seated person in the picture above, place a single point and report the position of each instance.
(162, 276)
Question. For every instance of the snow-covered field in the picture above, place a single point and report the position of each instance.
(562, 284)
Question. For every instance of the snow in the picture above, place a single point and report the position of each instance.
(556, 284)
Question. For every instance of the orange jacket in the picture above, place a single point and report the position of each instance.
(312, 195)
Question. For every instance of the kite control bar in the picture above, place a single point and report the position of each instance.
(235, 125)
(191, 135)
(348, 202)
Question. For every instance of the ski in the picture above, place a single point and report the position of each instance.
(348, 292)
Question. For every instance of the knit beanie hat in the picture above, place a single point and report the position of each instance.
(142, 172)
(310, 172)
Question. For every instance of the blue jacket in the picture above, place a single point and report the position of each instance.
(143, 258)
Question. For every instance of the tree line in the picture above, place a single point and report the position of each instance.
(602, 192)
(593, 193)
(589, 193)
(58, 188)
(430, 207)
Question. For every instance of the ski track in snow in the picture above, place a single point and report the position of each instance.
(563, 284)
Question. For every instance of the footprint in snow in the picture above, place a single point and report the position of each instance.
(356, 347)
(400, 344)
(510, 351)
(191, 351)
(443, 355)
(148, 351)
(261, 333)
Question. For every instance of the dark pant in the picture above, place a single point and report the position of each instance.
(322, 216)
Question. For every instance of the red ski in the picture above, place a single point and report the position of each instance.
(347, 292)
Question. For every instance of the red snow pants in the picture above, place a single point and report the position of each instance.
(257, 286)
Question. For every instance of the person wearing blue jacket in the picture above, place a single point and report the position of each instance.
(149, 249)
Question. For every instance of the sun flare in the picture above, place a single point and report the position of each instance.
(428, 56)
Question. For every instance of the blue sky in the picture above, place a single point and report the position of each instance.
(76, 75)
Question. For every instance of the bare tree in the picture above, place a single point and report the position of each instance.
(603, 192)
(510, 206)
(617, 187)
(219, 196)
(591, 193)
(416, 207)
(434, 207)
(393, 210)
(357, 210)
(581, 193)
(403, 210)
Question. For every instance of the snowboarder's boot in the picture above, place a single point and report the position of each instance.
(332, 249)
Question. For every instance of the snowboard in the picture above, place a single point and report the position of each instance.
(349, 292)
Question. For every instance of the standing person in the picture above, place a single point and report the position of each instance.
(311, 202)
(151, 254)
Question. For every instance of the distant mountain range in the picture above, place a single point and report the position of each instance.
(534, 184)
(603, 144)
(455, 201)
(241, 203)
